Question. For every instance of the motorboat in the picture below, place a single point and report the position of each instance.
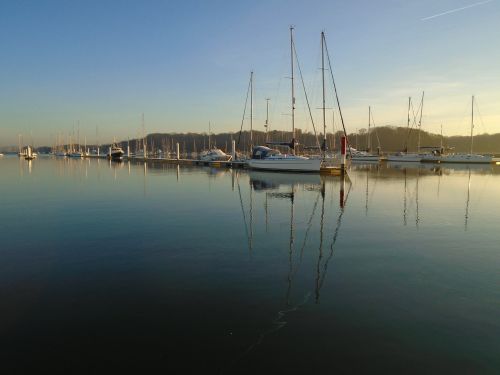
(214, 154)
(363, 156)
(29, 154)
(115, 153)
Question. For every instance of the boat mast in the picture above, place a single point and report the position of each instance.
(144, 151)
(472, 126)
(293, 91)
(420, 122)
(251, 111)
(333, 130)
(209, 135)
(441, 150)
(323, 146)
(79, 147)
(408, 124)
(267, 117)
(369, 122)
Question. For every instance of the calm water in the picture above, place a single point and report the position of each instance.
(125, 266)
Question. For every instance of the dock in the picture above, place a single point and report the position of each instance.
(330, 170)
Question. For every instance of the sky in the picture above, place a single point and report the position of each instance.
(101, 64)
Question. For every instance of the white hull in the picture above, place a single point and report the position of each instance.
(365, 158)
(406, 158)
(214, 154)
(467, 159)
(292, 164)
(431, 158)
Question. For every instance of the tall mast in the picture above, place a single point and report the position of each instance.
(368, 145)
(409, 104)
(323, 147)
(251, 111)
(293, 90)
(79, 147)
(420, 122)
(144, 146)
(333, 130)
(209, 130)
(441, 138)
(267, 117)
(472, 126)
(408, 124)
(97, 136)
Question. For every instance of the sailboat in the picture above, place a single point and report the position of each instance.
(404, 156)
(266, 158)
(365, 156)
(468, 158)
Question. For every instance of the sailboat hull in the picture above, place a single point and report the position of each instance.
(286, 164)
(365, 158)
(467, 159)
(405, 158)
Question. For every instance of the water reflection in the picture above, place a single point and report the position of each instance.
(467, 201)
(257, 252)
(284, 187)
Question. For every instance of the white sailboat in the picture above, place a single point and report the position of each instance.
(268, 159)
(365, 156)
(405, 156)
(470, 158)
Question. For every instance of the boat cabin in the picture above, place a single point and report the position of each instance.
(262, 152)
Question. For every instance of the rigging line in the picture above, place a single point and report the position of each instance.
(305, 93)
(337, 96)
(244, 112)
(320, 255)
(376, 132)
(242, 209)
(290, 249)
(277, 323)
(309, 224)
(479, 113)
(414, 123)
(334, 240)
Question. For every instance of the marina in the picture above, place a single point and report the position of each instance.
(264, 187)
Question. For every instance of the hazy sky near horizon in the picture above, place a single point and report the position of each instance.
(183, 64)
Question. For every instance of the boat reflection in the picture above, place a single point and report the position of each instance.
(295, 189)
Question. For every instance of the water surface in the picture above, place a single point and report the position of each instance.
(117, 266)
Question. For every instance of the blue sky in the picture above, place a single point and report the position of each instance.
(103, 63)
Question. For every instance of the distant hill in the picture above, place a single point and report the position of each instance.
(390, 139)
